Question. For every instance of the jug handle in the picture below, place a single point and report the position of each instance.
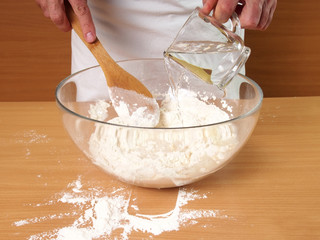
(235, 23)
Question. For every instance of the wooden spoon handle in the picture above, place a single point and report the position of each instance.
(96, 47)
(115, 75)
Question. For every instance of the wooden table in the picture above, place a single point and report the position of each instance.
(271, 190)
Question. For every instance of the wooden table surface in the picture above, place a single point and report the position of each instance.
(271, 190)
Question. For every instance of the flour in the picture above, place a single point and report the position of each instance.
(31, 136)
(186, 110)
(136, 109)
(166, 157)
(104, 213)
(21, 223)
(98, 111)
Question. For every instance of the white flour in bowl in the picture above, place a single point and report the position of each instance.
(165, 157)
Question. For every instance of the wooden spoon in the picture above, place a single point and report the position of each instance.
(130, 98)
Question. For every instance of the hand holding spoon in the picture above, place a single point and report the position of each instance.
(130, 98)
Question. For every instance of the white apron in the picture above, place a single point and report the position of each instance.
(130, 29)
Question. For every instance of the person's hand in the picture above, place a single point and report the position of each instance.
(253, 14)
(56, 11)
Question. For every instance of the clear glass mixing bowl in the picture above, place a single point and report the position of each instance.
(157, 157)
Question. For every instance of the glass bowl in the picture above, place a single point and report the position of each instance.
(159, 157)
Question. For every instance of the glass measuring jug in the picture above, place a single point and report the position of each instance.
(212, 51)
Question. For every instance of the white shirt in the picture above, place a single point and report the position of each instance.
(131, 29)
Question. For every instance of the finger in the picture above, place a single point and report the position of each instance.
(43, 6)
(82, 11)
(208, 5)
(224, 10)
(272, 10)
(264, 16)
(57, 14)
(251, 14)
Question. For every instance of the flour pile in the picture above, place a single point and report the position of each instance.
(104, 214)
(137, 109)
(165, 157)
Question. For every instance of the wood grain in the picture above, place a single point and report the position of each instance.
(285, 58)
(35, 55)
(271, 190)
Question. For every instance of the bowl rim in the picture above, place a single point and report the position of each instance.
(63, 107)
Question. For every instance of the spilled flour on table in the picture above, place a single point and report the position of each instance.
(31, 136)
(106, 214)
(28, 138)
